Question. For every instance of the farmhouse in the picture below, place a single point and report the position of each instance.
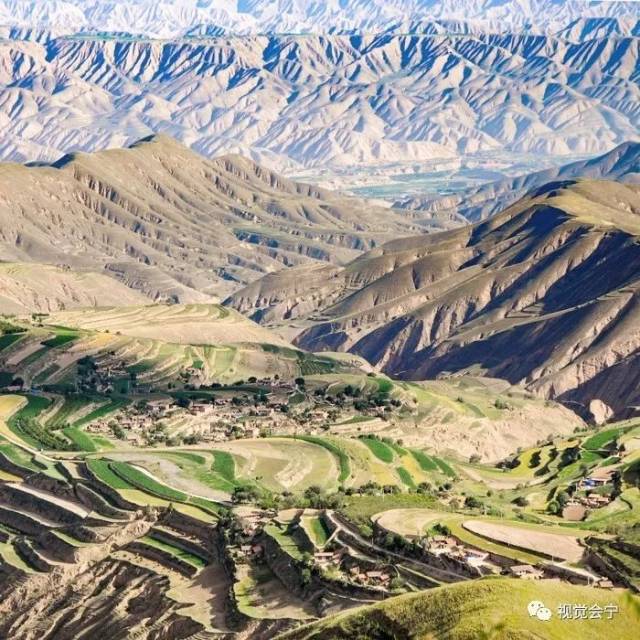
(595, 501)
(605, 584)
(526, 572)
(475, 558)
(441, 544)
(598, 478)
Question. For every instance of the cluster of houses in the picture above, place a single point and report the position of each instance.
(326, 559)
(339, 559)
(584, 495)
(449, 546)
(215, 420)
(227, 414)
(249, 552)
(370, 578)
(101, 376)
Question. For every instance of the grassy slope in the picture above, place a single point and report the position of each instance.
(472, 610)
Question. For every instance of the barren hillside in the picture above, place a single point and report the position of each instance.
(175, 226)
(26, 287)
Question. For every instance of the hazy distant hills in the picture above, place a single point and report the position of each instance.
(546, 294)
(168, 224)
(621, 164)
(322, 100)
(171, 18)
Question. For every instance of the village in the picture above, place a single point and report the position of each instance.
(252, 409)
(283, 542)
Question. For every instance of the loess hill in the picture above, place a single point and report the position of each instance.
(478, 609)
(545, 294)
(169, 224)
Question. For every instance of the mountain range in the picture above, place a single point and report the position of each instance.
(621, 164)
(320, 101)
(170, 19)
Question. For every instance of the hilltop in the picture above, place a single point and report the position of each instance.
(516, 297)
(167, 19)
(471, 609)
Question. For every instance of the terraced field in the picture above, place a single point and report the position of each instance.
(554, 545)
(193, 324)
(153, 346)
(261, 596)
(294, 464)
(49, 537)
(283, 463)
(521, 542)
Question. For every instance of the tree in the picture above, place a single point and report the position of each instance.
(117, 430)
(424, 487)
(441, 529)
(569, 456)
(241, 495)
(471, 502)
(396, 584)
(535, 460)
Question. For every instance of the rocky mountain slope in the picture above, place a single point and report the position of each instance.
(169, 224)
(544, 294)
(477, 203)
(320, 100)
(170, 18)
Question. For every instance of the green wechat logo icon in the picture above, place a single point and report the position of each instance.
(537, 609)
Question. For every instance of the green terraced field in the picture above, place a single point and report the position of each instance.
(71, 405)
(18, 456)
(100, 412)
(317, 530)
(406, 478)
(285, 541)
(190, 558)
(102, 470)
(379, 449)
(80, 439)
(224, 465)
(8, 339)
(141, 480)
(427, 464)
(599, 440)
